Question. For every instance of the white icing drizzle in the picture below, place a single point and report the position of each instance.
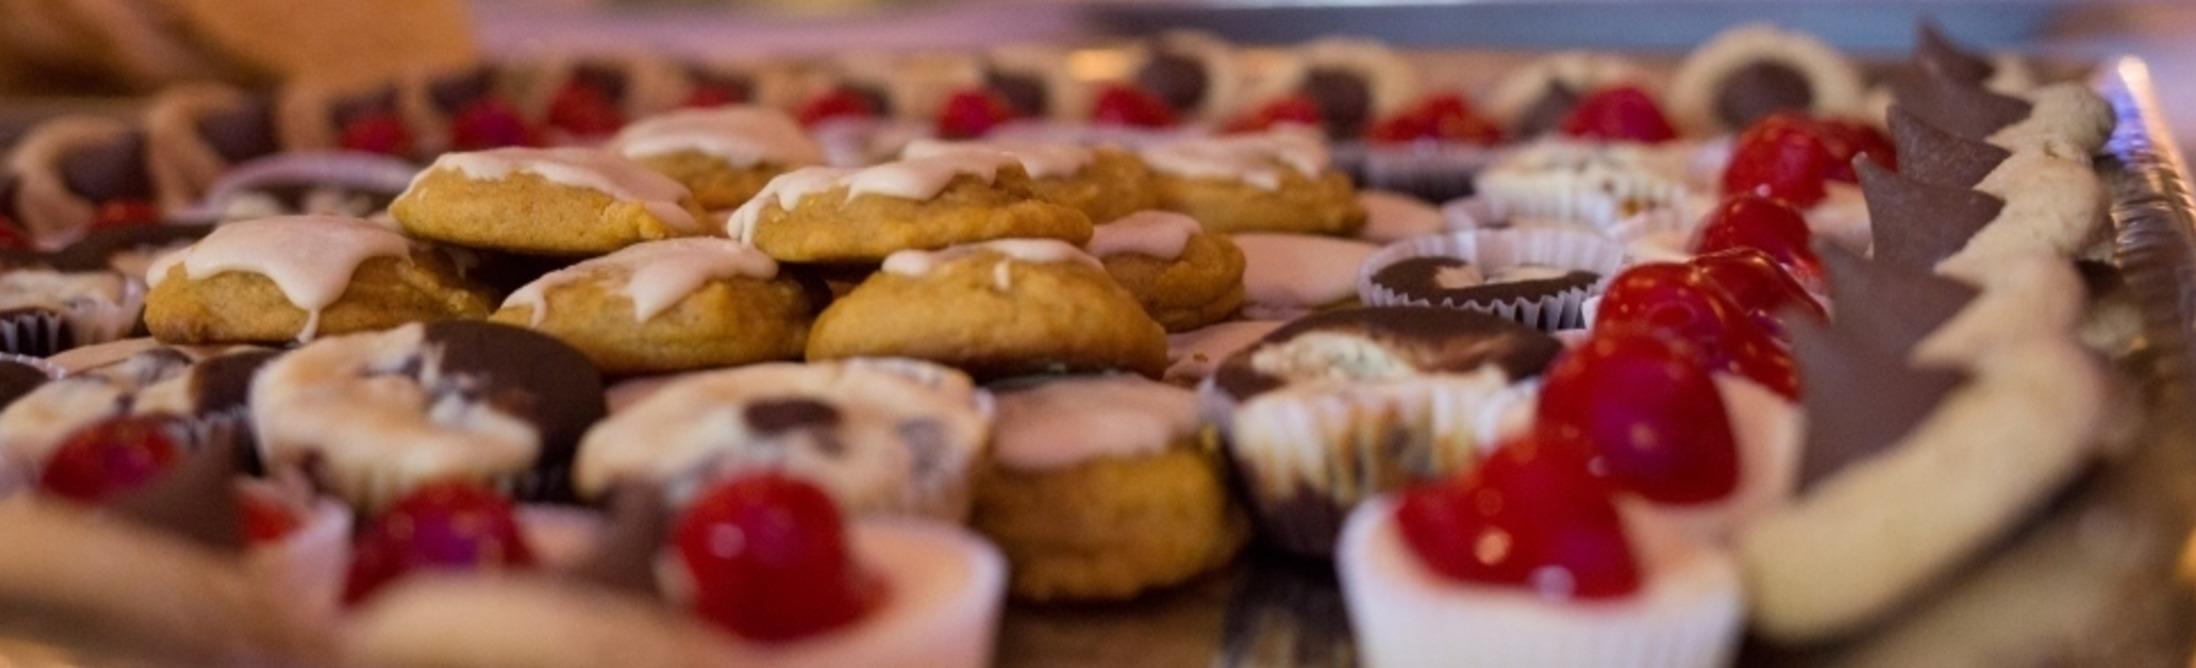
(741, 136)
(1160, 234)
(916, 179)
(1300, 269)
(1042, 160)
(1255, 159)
(785, 191)
(1064, 423)
(917, 263)
(658, 273)
(593, 169)
(309, 258)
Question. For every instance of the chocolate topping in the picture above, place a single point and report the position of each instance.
(1915, 224)
(18, 379)
(1177, 79)
(625, 556)
(450, 93)
(774, 416)
(1859, 399)
(1934, 156)
(1546, 114)
(1961, 108)
(1024, 93)
(1344, 99)
(1891, 308)
(1936, 54)
(110, 171)
(1759, 89)
(196, 500)
(95, 251)
(1434, 340)
(1420, 277)
(224, 382)
(343, 111)
(240, 133)
(606, 78)
(527, 374)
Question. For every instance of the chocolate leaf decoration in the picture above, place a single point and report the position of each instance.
(524, 373)
(625, 556)
(1939, 55)
(1917, 224)
(1934, 156)
(1859, 399)
(196, 500)
(1888, 307)
(1961, 108)
(18, 379)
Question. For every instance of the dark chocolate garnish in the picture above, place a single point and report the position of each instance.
(196, 500)
(625, 556)
(775, 416)
(874, 96)
(1547, 113)
(1891, 308)
(606, 78)
(1936, 54)
(451, 92)
(109, 171)
(1759, 89)
(1344, 99)
(1419, 278)
(224, 382)
(524, 373)
(1961, 108)
(1915, 224)
(242, 132)
(1024, 93)
(1434, 339)
(342, 111)
(18, 379)
(1934, 156)
(1177, 79)
(1859, 399)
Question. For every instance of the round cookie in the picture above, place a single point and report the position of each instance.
(1103, 183)
(559, 201)
(1279, 182)
(1185, 277)
(371, 416)
(996, 308)
(881, 436)
(667, 306)
(297, 277)
(1194, 73)
(1035, 81)
(825, 214)
(1101, 488)
(1353, 82)
(1751, 71)
(723, 155)
(1532, 100)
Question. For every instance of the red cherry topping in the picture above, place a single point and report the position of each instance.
(585, 111)
(972, 113)
(1297, 109)
(839, 103)
(706, 95)
(1779, 156)
(1646, 404)
(378, 133)
(769, 559)
(1441, 118)
(1131, 106)
(488, 123)
(124, 213)
(266, 519)
(111, 457)
(1755, 282)
(1686, 304)
(13, 237)
(442, 526)
(1621, 113)
(1848, 139)
(1529, 516)
(1747, 220)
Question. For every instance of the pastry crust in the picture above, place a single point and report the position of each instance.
(1111, 528)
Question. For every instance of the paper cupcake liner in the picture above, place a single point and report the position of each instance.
(1499, 249)
(1593, 196)
(35, 333)
(1435, 172)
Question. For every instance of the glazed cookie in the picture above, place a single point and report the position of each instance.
(559, 201)
(1751, 71)
(207, 393)
(1394, 216)
(881, 436)
(1353, 82)
(297, 277)
(1104, 487)
(1193, 73)
(325, 116)
(197, 132)
(1103, 183)
(824, 214)
(371, 416)
(667, 306)
(1289, 275)
(1275, 182)
(1035, 81)
(588, 97)
(1532, 100)
(724, 155)
(76, 173)
(997, 308)
(1185, 277)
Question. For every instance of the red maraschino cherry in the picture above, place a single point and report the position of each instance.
(770, 562)
(1646, 405)
(111, 457)
(379, 133)
(1529, 516)
(582, 110)
(12, 236)
(1130, 106)
(1438, 118)
(973, 113)
(441, 526)
(1682, 301)
(839, 103)
(266, 519)
(1846, 140)
(1748, 220)
(1296, 109)
(708, 95)
(1779, 156)
(488, 123)
(1755, 282)
(124, 213)
(1621, 113)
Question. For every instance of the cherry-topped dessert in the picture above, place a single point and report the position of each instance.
(1530, 516)
(378, 132)
(1293, 109)
(490, 122)
(1647, 407)
(108, 458)
(1130, 106)
(1445, 117)
(1684, 301)
(1772, 226)
(1759, 285)
(583, 109)
(442, 526)
(838, 103)
(770, 560)
(1619, 113)
(1792, 157)
(973, 113)
(267, 518)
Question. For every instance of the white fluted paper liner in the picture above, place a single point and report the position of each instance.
(1686, 613)
(306, 569)
(1431, 170)
(946, 587)
(1594, 194)
(1495, 250)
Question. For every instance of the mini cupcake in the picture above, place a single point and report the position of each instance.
(723, 155)
(1184, 276)
(43, 312)
(1289, 275)
(1101, 488)
(667, 306)
(197, 132)
(129, 251)
(1196, 75)
(207, 398)
(74, 174)
(1535, 277)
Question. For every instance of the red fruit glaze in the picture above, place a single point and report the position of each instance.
(1529, 516)
(378, 133)
(584, 111)
(1747, 220)
(1846, 140)
(442, 526)
(1622, 113)
(1441, 118)
(973, 113)
(13, 237)
(489, 123)
(1646, 405)
(1781, 157)
(1131, 106)
(1684, 303)
(1295, 109)
(124, 213)
(1755, 282)
(769, 558)
(266, 520)
(704, 96)
(839, 103)
(111, 457)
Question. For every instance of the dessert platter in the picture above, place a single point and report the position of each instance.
(1169, 351)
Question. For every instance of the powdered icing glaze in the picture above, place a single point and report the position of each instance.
(1160, 234)
(740, 136)
(916, 179)
(657, 273)
(917, 263)
(593, 169)
(785, 192)
(1041, 160)
(1068, 422)
(1255, 159)
(1300, 269)
(309, 258)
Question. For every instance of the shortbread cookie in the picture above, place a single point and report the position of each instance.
(667, 306)
(560, 201)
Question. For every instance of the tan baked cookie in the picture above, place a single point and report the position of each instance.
(667, 306)
(824, 214)
(562, 201)
(1277, 182)
(1185, 277)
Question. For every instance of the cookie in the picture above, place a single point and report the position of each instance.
(824, 214)
(1274, 182)
(1185, 277)
(1751, 71)
(1289, 275)
(1103, 183)
(1533, 100)
(561, 201)
(724, 155)
(1353, 82)
(1193, 73)
(668, 306)
(1035, 82)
